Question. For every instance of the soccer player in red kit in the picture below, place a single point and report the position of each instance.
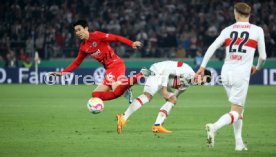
(96, 45)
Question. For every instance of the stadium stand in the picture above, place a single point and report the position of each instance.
(168, 28)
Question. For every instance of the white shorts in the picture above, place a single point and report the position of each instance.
(153, 83)
(236, 87)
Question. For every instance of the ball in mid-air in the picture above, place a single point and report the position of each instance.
(95, 105)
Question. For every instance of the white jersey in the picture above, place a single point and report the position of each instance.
(241, 40)
(167, 68)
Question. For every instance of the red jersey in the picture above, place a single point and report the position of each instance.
(97, 46)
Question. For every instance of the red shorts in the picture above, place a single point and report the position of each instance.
(114, 73)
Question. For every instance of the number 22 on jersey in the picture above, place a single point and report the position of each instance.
(238, 39)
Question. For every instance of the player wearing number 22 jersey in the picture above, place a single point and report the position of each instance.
(241, 41)
(96, 45)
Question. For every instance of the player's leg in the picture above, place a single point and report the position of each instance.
(128, 95)
(237, 126)
(151, 87)
(228, 118)
(102, 88)
(120, 86)
(163, 114)
(133, 107)
(112, 74)
(233, 117)
(211, 128)
(103, 92)
(211, 131)
(137, 103)
(115, 77)
(237, 94)
(125, 84)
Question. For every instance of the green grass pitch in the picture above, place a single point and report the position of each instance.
(40, 120)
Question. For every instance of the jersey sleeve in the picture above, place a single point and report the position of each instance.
(214, 46)
(76, 63)
(261, 50)
(110, 38)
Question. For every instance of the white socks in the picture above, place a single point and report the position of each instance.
(135, 105)
(231, 117)
(164, 112)
(142, 99)
(226, 119)
(238, 131)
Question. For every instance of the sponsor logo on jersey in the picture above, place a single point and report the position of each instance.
(96, 53)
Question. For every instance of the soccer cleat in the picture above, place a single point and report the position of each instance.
(146, 72)
(120, 123)
(210, 135)
(129, 95)
(160, 129)
(241, 147)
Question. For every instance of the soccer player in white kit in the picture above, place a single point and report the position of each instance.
(241, 40)
(164, 76)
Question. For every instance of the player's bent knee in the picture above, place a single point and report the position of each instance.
(118, 93)
(238, 109)
(172, 99)
(148, 95)
(95, 94)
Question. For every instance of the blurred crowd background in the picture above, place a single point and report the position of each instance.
(167, 28)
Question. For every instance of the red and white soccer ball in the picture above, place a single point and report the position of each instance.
(95, 105)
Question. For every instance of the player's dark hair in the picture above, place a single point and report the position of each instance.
(242, 8)
(208, 75)
(83, 23)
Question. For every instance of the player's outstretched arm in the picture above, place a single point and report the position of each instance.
(76, 63)
(210, 51)
(115, 38)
